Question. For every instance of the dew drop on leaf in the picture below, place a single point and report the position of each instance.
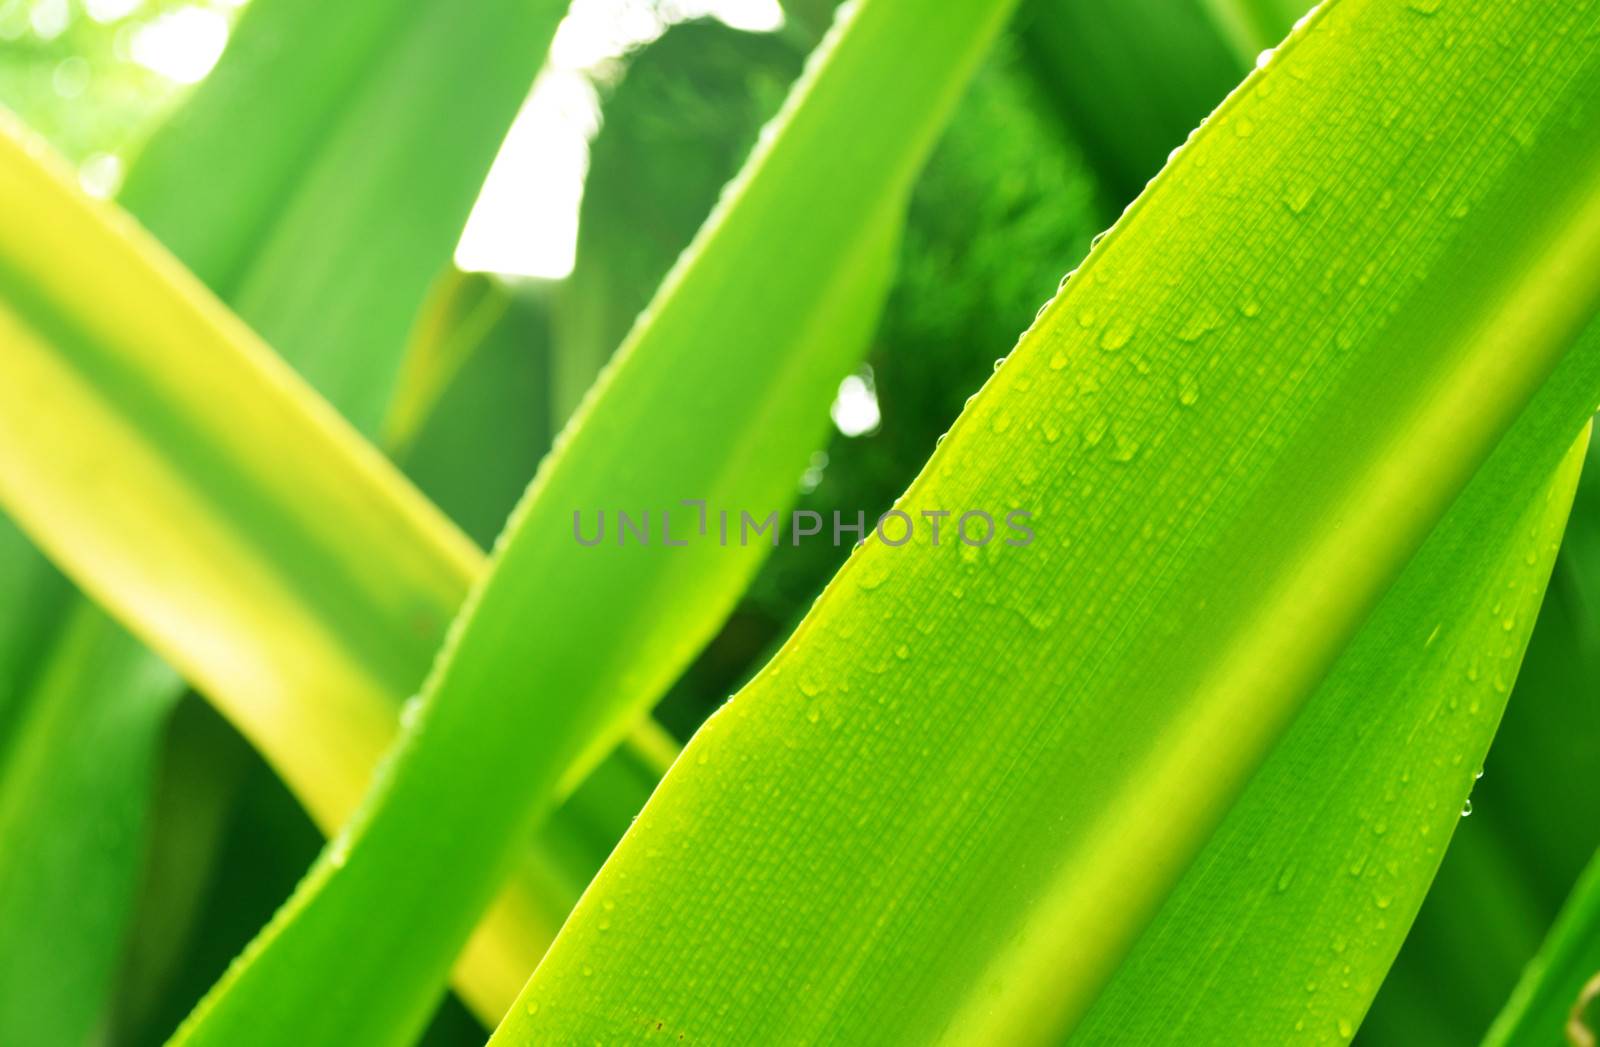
(1094, 430)
(1124, 449)
(1188, 390)
(1116, 335)
(1299, 198)
(1201, 322)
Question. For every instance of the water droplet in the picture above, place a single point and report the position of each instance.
(411, 712)
(1188, 389)
(903, 652)
(1086, 318)
(1250, 308)
(1244, 127)
(1051, 431)
(1299, 198)
(533, 1006)
(809, 688)
(1466, 809)
(1094, 430)
(1200, 323)
(1116, 335)
(1124, 448)
(1058, 360)
(1000, 422)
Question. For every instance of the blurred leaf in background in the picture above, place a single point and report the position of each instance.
(1002, 207)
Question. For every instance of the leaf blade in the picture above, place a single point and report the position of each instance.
(829, 218)
(1201, 626)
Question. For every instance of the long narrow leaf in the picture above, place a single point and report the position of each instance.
(76, 770)
(1290, 918)
(285, 200)
(1559, 994)
(1129, 79)
(719, 393)
(953, 803)
(305, 601)
(349, 178)
(1534, 825)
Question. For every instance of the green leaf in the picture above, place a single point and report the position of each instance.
(285, 199)
(1128, 79)
(471, 419)
(75, 774)
(975, 777)
(1535, 823)
(1558, 992)
(671, 135)
(1323, 861)
(1000, 207)
(281, 238)
(1253, 26)
(719, 393)
(307, 619)
(200, 797)
(35, 608)
(379, 110)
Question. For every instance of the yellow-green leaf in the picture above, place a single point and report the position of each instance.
(976, 779)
